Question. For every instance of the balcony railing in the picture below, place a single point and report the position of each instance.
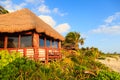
(41, 54)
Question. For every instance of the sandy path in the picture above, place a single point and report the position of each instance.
(112, 63)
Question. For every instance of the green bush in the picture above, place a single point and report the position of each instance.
(20, 68)
(72, 67)
(6, 57)
(105, 75)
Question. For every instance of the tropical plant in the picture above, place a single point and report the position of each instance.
(72, 41)
(72, 67)
(3, 10)
(6, 57)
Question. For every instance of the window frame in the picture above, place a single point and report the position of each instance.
(20, 42)
(10, 35)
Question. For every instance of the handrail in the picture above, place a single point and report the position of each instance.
(50, 53)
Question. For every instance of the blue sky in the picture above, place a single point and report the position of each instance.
(98, 21)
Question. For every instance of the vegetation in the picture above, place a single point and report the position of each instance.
(3, 10)
(74, 66)
(112, 55)
(72, 41)
(6, 58)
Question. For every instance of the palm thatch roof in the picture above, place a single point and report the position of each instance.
(24, 20)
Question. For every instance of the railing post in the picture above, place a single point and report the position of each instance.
(60, 54)
(25, 52)
(46, 55)
(35, 53)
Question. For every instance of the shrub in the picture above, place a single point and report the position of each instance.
(105, 75)
(6, 57)
(68, 68)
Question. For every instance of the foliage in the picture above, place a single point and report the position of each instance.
(104, 75)
(75, 66)
(6, 57)
(92, 52)
(3, 11)
(72, 41)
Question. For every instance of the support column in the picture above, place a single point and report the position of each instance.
(36, 45)
(59, 44)
(5, 42)
(46, 56)
(59, 48)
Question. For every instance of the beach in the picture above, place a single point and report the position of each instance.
(112, 63)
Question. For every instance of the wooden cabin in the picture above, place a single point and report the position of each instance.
(24, 32)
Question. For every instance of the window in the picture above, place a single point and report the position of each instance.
(41, 43)
(54, 44)
(26, 41)
(2, 42)
(48, 43)
(12, 42)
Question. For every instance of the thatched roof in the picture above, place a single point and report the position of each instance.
(24, 20)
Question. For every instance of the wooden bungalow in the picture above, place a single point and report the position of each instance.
(24, 32)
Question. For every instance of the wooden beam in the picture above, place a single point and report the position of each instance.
(59, 44)
(46, 56)
(36, 45)
(5, 42)
(35, 40)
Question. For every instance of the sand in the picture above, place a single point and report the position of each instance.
(112, 63)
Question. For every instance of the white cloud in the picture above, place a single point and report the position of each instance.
(35, 1)
(48, 19)
(110, 19)
(107, 29)
(10, 6)
(42, 1)
(111, 25)
(44, 9)
(30, 1)
(56, 11)
(20, 6)
(63, 28)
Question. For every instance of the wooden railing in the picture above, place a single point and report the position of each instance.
(41, 54)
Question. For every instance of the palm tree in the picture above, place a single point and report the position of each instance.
(72, 40)
(3, 11)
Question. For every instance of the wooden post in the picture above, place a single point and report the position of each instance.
(35, 40)
(59, 48)
(59, 44)
(46, 51)
(46, 56)
(36, 45)
(5, 42)
(24, 52)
